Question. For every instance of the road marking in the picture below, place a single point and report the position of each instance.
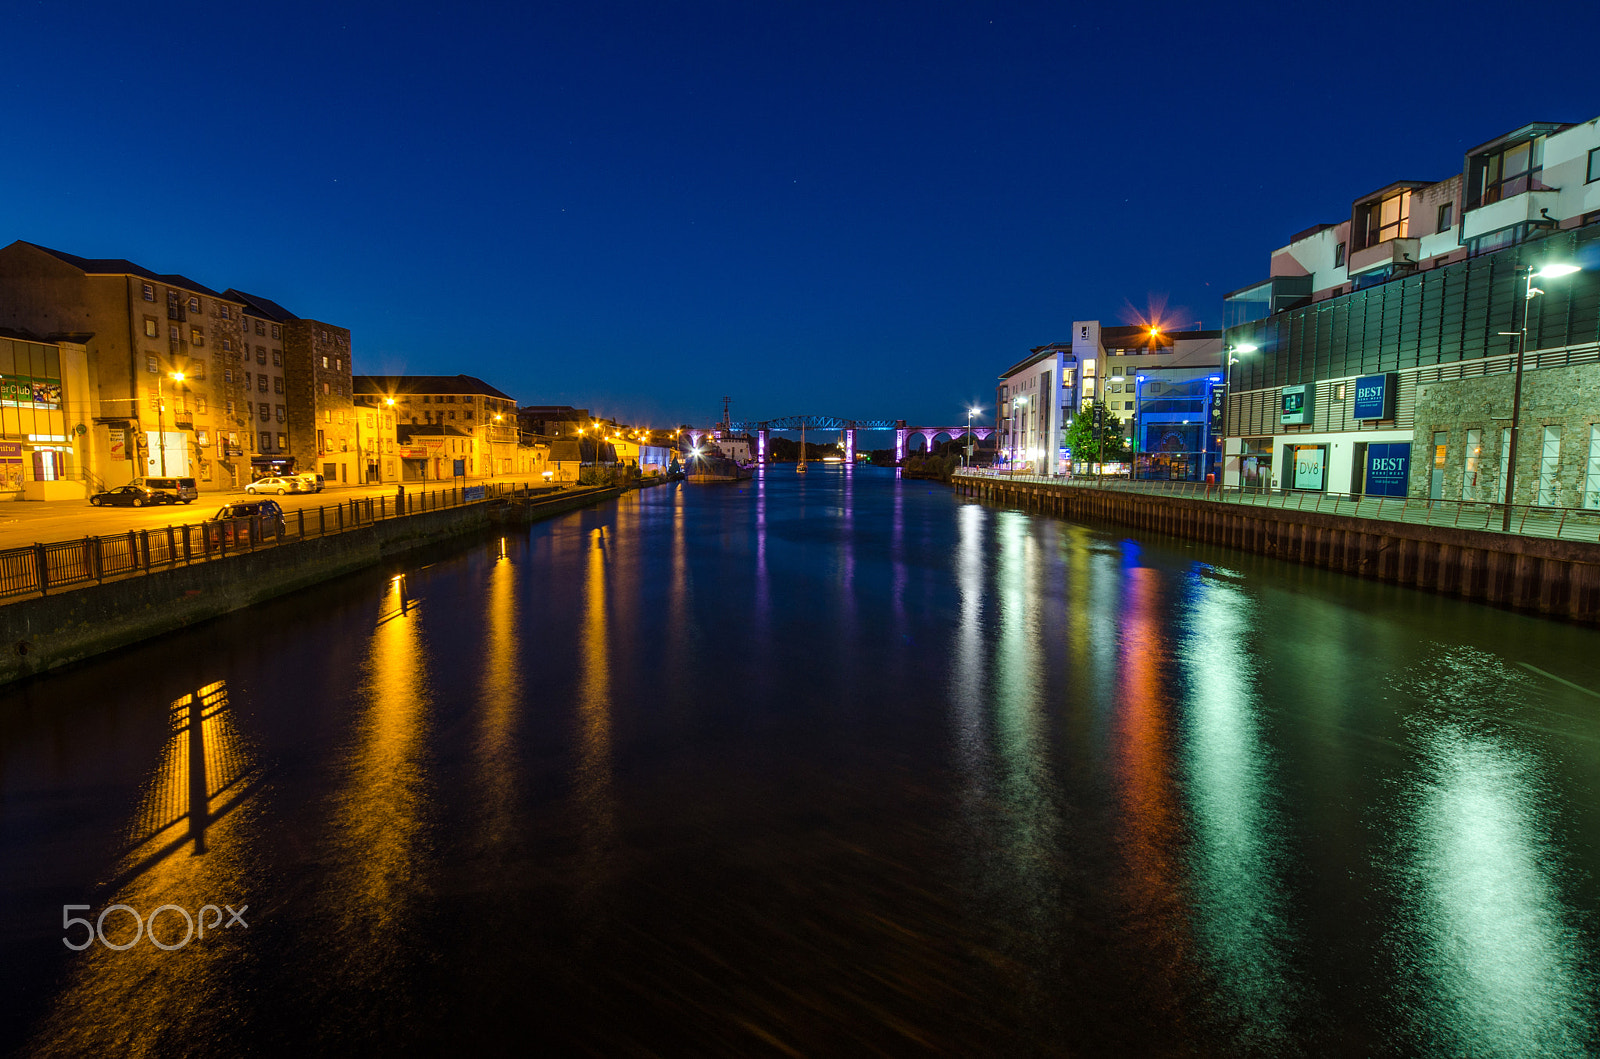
(1559, 680)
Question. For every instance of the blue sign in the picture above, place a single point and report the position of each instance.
(460, 470)
(1375, 396)
(1388, 469)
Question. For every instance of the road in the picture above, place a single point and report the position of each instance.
(24, 523)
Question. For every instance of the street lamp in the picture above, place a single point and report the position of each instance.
(1227, 399)
(1016, 403)
(161, 425)
(970, 413)
(1528, 293)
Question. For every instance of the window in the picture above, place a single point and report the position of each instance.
(277, 358)
(338, 363)
(227, 375)
(151, 328)
(1388, 218)
(425, 400)
(324, 360)
(327, 416)
(247, 380)
(197, 337)
(275, 332)
(1338, 256)
(467, 414)
(151, 364)
(227, 344)
(281, 416)
(261, 328)
(174, 335)
(1470, 475)
(277, 384)
(266, 411)
(452, 415)
(1591, 474)
(261, 383)
(324, 389)
(194, 305)
(230, 408)
(224, 311)
(200, 405)
(261, 354)
(1447, 217)
(266, 441)
(283, 441)
(149, 293)
(1594, 166)
(1504, 173)
(1549, 464)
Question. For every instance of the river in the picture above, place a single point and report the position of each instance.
(827, 765)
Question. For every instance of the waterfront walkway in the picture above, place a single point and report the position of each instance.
(1557, 523)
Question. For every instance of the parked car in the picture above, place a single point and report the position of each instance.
(182, 488)
(132, 496)
(314, 482)
(280, 486)
(233, 522)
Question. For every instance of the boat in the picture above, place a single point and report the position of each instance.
(801, 467)
(710, 464)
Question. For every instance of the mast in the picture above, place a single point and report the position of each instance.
(802, 468)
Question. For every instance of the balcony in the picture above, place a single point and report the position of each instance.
(1389, 252)
(1518, 209)
(183, 420)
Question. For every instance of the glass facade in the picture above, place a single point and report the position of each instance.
(32, 405)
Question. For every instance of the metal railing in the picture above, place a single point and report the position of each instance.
(44, 568)
(1529, 520)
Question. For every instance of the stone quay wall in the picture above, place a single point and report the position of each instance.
(1550, 577)
(43, 633)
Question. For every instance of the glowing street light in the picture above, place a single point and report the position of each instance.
(161, 407)
(1552, 271)
(970, 413)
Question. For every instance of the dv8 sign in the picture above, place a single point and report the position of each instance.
(146, 927)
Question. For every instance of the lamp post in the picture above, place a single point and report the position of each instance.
(1227, 399)
(1016, 403)
(967, 462)
(161, 424)
(1528, 293)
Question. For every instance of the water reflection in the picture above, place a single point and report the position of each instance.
(1486, 930)
(596, 799)
(190, 844)
(500, 692)
(1240, 910)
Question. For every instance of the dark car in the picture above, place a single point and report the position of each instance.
(132, 496)
(238, 522)
(183, 489)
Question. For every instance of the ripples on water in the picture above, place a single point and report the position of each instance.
(826, 766)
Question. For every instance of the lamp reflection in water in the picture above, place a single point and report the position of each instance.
(1501, 956)
(596, 799)
(1242, 921)
(500, 695)
(190, 842)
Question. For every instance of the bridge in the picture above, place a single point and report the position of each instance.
(763, 428)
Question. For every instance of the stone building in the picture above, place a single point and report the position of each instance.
(463, 402)
(162, 390)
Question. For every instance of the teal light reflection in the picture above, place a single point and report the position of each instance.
(1487, 933)
(1241, 922)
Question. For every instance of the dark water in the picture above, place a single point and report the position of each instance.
(830, 766)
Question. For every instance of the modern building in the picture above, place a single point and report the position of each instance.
(462, 402)
(1381, 355)
(1039, 395)
(46, 403)
(161, 390)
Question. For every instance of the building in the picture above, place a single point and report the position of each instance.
(45, 397)
(462, 402)
(1039, 395)
(1380, 355)
(432, 452)
(552, 420)
(161, 391)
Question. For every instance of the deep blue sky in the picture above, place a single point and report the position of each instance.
(857, 209)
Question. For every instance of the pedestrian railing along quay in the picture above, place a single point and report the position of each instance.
(1530, 520)
(42, 568)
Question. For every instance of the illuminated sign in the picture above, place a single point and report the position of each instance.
(1375, 396)
(1388, 469)
(1310, 466)
(1297, 402)
(22, 391)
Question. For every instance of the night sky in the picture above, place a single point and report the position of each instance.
(858, 209)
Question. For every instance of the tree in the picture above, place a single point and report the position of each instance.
(1081, 442)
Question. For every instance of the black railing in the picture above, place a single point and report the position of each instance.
(44, 568)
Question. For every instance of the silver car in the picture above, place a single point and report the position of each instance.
(278, 486)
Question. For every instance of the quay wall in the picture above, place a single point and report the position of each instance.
(46, 632)
(1550, 577)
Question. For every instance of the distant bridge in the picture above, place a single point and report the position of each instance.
(762, 429)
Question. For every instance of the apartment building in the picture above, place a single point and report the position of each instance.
(480, 413)
(1381, 354)
(1146, 377)
(160, 390)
